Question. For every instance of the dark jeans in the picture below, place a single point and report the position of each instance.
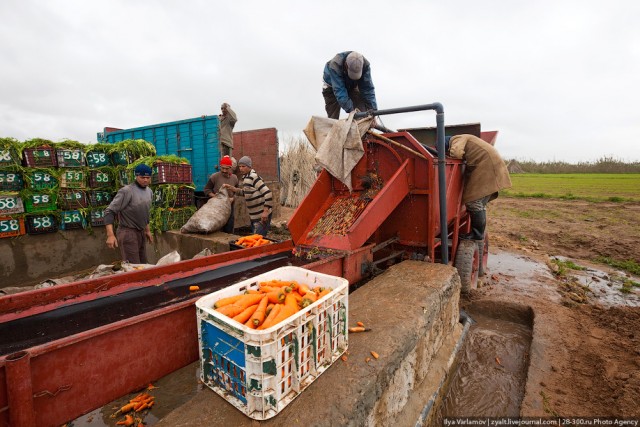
(228, 227)
(132, 245)
(258, 227)
(332, 106)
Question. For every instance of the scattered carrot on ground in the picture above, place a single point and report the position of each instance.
(360, 324)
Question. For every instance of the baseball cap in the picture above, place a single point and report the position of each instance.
(355, 62)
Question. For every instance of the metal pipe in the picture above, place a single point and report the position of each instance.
(442, 188)
(20, 390)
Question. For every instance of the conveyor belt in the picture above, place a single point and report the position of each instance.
(71, 319)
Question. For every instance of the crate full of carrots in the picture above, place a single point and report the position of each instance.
(249, 242)
(265, 339)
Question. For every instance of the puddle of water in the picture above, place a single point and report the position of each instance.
(173, 391)
(605, 286)
(523, 273)
(492, 369)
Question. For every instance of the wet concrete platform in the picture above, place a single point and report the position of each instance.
(412, 310)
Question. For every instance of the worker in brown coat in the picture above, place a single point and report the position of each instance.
(485, 174)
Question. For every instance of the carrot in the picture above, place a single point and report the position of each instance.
(276, 296)
(302, 289)
(248, 300)
(246, 314)
(249, 323)
(226, 301)
(374, 354)
(326, 291)
(269, 320)
(252, 291)
(360, 324)
(194, 288)
(258, 316)
(284, 313)
(141, 396)
(128, 421)
(291, 302)
(266, 289)
(230, 310)
(126, 408)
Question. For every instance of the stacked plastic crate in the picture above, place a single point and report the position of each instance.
(41, 184)
(173, 190)
(103, 180)
(11, 183)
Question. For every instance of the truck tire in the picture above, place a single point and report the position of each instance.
(468, 263)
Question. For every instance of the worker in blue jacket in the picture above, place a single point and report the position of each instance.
(348, 84)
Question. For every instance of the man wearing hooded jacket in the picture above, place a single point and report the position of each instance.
(485, 174)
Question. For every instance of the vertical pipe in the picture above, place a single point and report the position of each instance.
(19, 390)
(442, 176)
(442, 185)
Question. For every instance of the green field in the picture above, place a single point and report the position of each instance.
(591, 187)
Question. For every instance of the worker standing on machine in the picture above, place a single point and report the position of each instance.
(347, 84)
(227, 120)
(485, 174)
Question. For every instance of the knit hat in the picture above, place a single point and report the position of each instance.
(142, 170)
(354, 61)
(226, 161)
(245, 160)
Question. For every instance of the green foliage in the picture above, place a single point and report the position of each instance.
(565, 265)
(602, 165)
(616, 188)
(36, 142)
(629, 265)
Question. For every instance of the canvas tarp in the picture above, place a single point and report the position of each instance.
(338, 144)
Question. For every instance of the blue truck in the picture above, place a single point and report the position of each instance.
(195, 139)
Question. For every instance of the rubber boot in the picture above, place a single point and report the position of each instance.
(478, 224)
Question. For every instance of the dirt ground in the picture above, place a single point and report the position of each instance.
(589, 364)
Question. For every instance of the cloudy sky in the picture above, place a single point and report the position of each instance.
(560, 80)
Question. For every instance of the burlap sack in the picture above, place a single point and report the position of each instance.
(211, 217)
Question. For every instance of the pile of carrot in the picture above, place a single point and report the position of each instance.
(251, 241)
(273, 302)
(137, 404)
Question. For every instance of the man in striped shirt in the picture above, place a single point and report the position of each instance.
(256, 194)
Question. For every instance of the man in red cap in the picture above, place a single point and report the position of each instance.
(217, 180)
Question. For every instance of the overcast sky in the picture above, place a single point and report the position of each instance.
(560, 80)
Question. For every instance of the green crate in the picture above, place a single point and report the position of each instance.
(8, 157)
(122, 158)
(10, 203)
(71, 220)
(97, 159)
(70, 157)
(41, 202)
(125, 177)
(73, 178)
(97, 217)
(10, 181)
(41, 224)
(41, 180)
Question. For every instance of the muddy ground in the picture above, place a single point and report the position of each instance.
(589, 364)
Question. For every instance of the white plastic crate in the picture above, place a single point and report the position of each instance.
(261, 372)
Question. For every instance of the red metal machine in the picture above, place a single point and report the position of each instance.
(67, 350)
